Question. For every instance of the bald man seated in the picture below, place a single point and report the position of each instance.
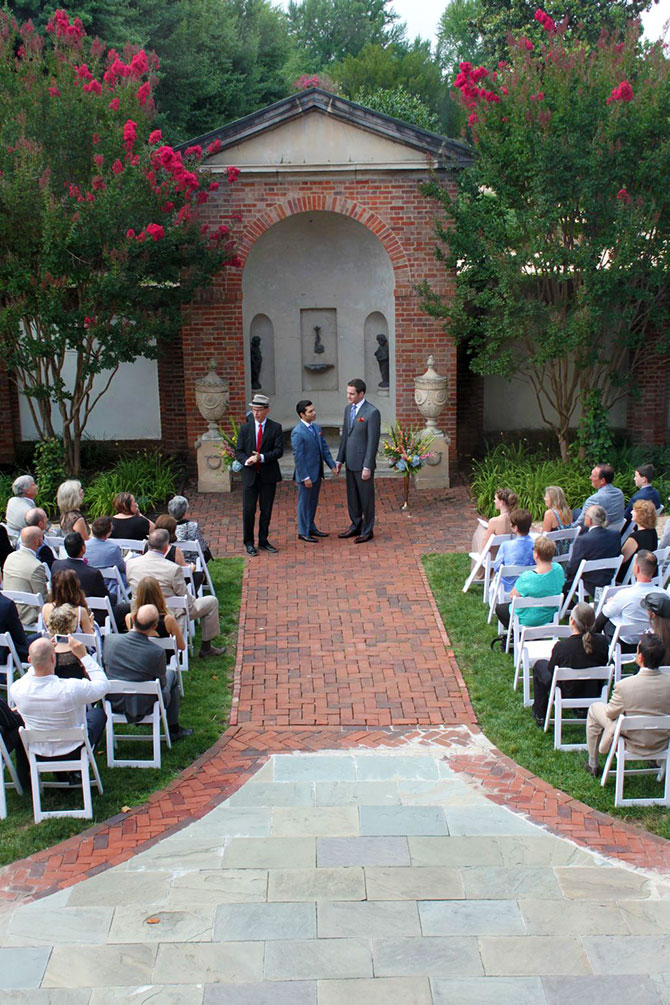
(134, 657)
(23, 571)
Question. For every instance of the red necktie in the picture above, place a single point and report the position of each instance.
(259, 437)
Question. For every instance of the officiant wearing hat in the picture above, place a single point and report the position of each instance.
(260, 444)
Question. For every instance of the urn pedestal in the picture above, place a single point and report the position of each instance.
(212, 394)
(430, 395)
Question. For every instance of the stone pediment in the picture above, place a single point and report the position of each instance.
(315, 130)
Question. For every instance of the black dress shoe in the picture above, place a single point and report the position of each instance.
(363, 538)
(591, 770)
(319, 533)
(268, 547)
(180, 733)
(352, 532)
(207, 649)
(251, 550)
(307, 540)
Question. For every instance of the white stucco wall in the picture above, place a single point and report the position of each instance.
(511, 405)
(311, 261)
(130, 409)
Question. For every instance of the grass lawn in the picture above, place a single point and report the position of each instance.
(205, 708)
(499, 709)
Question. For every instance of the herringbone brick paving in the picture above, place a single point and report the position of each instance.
(340, 646)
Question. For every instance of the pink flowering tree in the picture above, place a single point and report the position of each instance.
(559, 233)
(104, 239)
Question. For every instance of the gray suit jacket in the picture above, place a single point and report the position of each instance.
(358, 447)
(133, 657)
(23, 571)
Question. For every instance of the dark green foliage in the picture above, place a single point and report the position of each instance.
(49, 471)
(149, 476)
(400, 104)
(205, 708)
(499, 709)
(410, 73)
(329, 30)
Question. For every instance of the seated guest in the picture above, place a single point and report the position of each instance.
(505, 501)
(10, 722)
(127, 521)
(583, 649)
(11, 623)
(133, 657)
(90, 579)
(25, 489)
(6, 546)
(657, 606)
(545, 580)
(70, 496)
(646, 693)
(187, 529)
(149, 592)
(66, 591)
(63, 621)
(558, 515)
(594, 542)
(45, 701)
(101, 553)
(172, 583)
(24, 572)
(643, 478)
(168, 523)
(606, 495)
(626, 607)
(519, 551)
(643, 537)
(37, 518)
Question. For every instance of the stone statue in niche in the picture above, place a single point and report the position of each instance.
(318, 344)
(382, 357)
(256, 362)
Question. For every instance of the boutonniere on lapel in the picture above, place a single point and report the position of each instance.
(361, 418)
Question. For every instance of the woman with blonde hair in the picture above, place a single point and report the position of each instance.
(505, 501)
(69, 497)
(62, 621)
(66, 591)
(149, 592)
(558, 515)
(644, 537)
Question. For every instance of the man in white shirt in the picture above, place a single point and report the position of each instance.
(625, 607)
(49, 702)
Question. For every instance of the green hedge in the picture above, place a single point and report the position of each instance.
(528, 471)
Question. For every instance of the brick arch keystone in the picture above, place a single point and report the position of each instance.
(329, 204)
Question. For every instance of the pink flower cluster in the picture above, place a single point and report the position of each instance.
(306, 81)
(60, 24)
(153, 230)
(547, 22)
(623, 92)
(622, 195)
(467, 80)
(129, 134)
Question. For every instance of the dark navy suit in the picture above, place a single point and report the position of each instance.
(310, 450)
(646, 492)
(594, 543)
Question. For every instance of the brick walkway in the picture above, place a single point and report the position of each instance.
(322, 666)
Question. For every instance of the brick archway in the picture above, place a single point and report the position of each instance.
(328, 204)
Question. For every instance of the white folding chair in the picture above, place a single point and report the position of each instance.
(498, 593)
(103, 604)
(12, 664)
(615, 653)
(128, 544)
(607, 594)
(515, 627)
(591, 565)
(627, 533)
(558, 702)
(180, 605)
(30, 600)
(566, 534)
(484, 558)
(536, 643)
(663, 573)
(56, 543)
(156, 718)
(82, 760)
(193, 553)
(177, 659)
(6, 762)
(189, 580)
(638, 723)
(617, 526)
(112, 572)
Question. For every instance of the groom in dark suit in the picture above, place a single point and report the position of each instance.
(358, 450)
(260, 444)
(310, 450)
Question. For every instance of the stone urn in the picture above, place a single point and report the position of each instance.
(430, 395)
(212, 395)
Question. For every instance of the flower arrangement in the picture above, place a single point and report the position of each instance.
(407, 451)
(229, 446)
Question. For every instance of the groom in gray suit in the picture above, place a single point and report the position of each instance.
(358, 451)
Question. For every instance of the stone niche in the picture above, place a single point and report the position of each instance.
(318, 336)
(263, 329)
(376, 325)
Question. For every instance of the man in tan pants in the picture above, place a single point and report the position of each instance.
(173, 584)
(647, 693)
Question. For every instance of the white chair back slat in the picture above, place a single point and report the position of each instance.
(536, 643)
(193, 551)
(660, 760)
(602, 674)
(157, 719)
(82, 760)
(6, 762)
(611, 565)
(526, 603)
(12, 664)
(112, 572)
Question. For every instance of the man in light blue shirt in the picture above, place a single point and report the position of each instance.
(519, 551)
(606, 495)
(102, 553)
